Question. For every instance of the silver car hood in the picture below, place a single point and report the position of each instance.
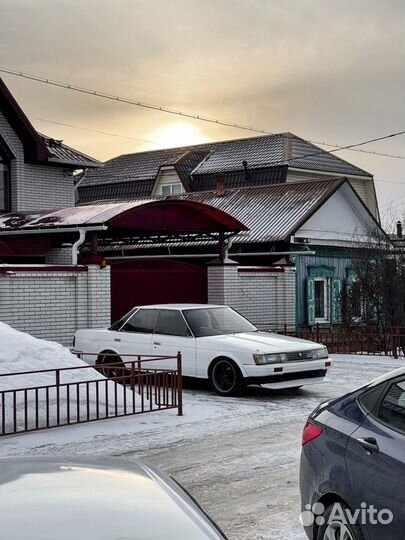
(95, 499)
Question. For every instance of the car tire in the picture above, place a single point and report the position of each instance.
(334, 528)
(110, 357)
(226, 378)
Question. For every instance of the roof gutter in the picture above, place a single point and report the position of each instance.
(209, 255)
(56, 230)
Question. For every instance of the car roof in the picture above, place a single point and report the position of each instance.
(180, 306)
(97, 499)
(387, 376)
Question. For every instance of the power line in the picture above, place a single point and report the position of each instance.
(202, 118)
(95, 130)
(339, 146)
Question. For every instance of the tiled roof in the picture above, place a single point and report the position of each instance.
(225, 156)
(62, 153)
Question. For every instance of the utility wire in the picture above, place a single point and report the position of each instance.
(138, 103)
(95, 131)
(339, 146)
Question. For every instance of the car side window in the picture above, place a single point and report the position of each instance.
(171, 323)
(392, 408)
(142, 322)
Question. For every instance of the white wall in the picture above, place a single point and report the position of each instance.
(51, 303)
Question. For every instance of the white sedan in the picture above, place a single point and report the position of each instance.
(216, 343)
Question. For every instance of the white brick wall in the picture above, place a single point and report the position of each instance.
(266, 298)
(60, 255)
(35, 187)
(54, 304)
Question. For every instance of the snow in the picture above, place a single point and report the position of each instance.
(21, 352)
(239, 457)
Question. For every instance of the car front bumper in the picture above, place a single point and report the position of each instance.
(287, 375)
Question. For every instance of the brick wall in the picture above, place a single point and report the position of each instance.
(265, 296)
(35, 187)
(52, 303)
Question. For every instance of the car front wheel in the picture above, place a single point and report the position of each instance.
(334, 528)
(226, 378)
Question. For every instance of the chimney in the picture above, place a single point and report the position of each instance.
(399, 229)
(220, 186)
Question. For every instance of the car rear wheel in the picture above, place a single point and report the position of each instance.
(334, 527)
(226, 378)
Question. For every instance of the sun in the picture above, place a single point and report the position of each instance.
(176, 134)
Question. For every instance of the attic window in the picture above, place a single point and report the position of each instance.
(172, 189)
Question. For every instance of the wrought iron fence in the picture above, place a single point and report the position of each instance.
(80, 394)
(365, 340)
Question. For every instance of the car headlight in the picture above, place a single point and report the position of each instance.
(277, 358)
(319, 354)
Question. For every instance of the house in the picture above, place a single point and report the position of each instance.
(299, 203)
(253, 162)
(268, 225)
(36, 171)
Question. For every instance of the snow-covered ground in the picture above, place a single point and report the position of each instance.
(22, 353)
(238, 456)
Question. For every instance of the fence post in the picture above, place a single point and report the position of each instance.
(57, 382)
(179, 385)
(317, 333)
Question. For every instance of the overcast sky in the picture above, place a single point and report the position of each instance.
(327, 70)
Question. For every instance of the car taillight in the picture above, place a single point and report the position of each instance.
(311, 432)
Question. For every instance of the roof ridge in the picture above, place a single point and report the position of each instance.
(196, 146)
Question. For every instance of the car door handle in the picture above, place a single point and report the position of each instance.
(369, 444)
(157, 343)
(117, 339)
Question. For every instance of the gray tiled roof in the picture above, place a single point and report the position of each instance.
(62, 153)
(225, 156)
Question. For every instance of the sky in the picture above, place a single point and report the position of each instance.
(327, 70)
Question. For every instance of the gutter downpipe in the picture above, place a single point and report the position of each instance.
(75, 248)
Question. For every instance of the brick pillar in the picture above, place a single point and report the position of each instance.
(223, 283)
(98, 296)
(59, 255)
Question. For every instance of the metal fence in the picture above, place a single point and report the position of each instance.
(76, 395)
(367, 340)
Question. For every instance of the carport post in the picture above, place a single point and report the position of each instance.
(179, 385)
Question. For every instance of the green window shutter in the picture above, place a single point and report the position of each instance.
(336, 301)
(351, 276)
(311, 301)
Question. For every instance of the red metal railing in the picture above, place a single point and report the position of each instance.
(367, 340)
(57, 400)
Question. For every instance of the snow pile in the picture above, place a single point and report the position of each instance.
(21, 352)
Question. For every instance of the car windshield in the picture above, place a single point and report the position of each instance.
(216, 321)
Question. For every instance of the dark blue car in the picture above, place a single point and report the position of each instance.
(352, 475)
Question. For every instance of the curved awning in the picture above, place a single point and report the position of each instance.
(158, 216)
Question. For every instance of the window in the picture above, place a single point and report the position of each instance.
(172, 189)
(322, 299)
(392, 409)
(143, 322)
(171, 323)
(4, 185)
(217, 321)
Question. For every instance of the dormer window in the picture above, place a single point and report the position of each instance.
(4, 184)
(172, 189)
